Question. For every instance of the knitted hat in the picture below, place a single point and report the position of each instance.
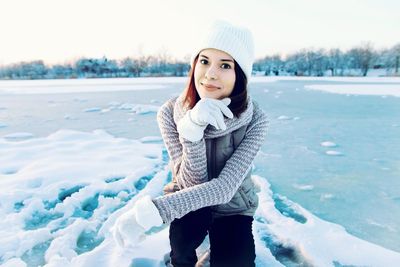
(234, 40)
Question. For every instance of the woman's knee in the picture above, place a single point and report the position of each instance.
(232, 242)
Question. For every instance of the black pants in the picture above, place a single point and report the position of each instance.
(231, 239)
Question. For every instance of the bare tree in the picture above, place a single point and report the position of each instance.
(335, 61)
(362, 57)
(394, 53)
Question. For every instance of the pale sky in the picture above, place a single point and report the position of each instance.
(60, 31)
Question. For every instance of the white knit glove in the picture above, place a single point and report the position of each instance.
(129, 229)
(206, 111)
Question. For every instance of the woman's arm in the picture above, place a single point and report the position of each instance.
(219, 190)
(189, 159)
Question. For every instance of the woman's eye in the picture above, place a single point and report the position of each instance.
(223, 66)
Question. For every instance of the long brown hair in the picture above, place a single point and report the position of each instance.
(238, 96)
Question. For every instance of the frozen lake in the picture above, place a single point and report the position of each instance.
(335, 154)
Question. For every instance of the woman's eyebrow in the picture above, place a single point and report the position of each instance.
(229, 60)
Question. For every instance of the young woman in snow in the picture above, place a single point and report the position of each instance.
(212, 133)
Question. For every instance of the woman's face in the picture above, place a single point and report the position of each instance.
(214, 74)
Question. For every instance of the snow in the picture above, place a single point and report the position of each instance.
(316, 242)
(263, 79)
(68, 188)
(283, 117)
(137, 108)
(333, 153)
(83, 85)
(359, 89)
(328, 144)
(304, 187)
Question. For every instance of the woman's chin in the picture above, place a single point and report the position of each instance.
(208, 95)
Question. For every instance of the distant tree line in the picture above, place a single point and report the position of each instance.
(306, 62)
(96, 68)
(334, 62)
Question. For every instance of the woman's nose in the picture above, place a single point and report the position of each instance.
(211, 73)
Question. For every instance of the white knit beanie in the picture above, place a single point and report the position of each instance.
(234, 40)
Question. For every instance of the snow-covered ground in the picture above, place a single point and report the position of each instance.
(63, 189)
(61, 194)
(263, 79)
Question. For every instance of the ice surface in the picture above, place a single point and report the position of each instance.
(359, 89)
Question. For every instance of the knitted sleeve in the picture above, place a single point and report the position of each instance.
(189, 159)
(219, 190)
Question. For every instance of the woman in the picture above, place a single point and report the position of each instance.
(212, 133)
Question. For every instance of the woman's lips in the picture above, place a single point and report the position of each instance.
(210, 87)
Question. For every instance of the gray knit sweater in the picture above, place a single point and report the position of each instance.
(190, 163)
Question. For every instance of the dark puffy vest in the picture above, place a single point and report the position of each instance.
(219, 150)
